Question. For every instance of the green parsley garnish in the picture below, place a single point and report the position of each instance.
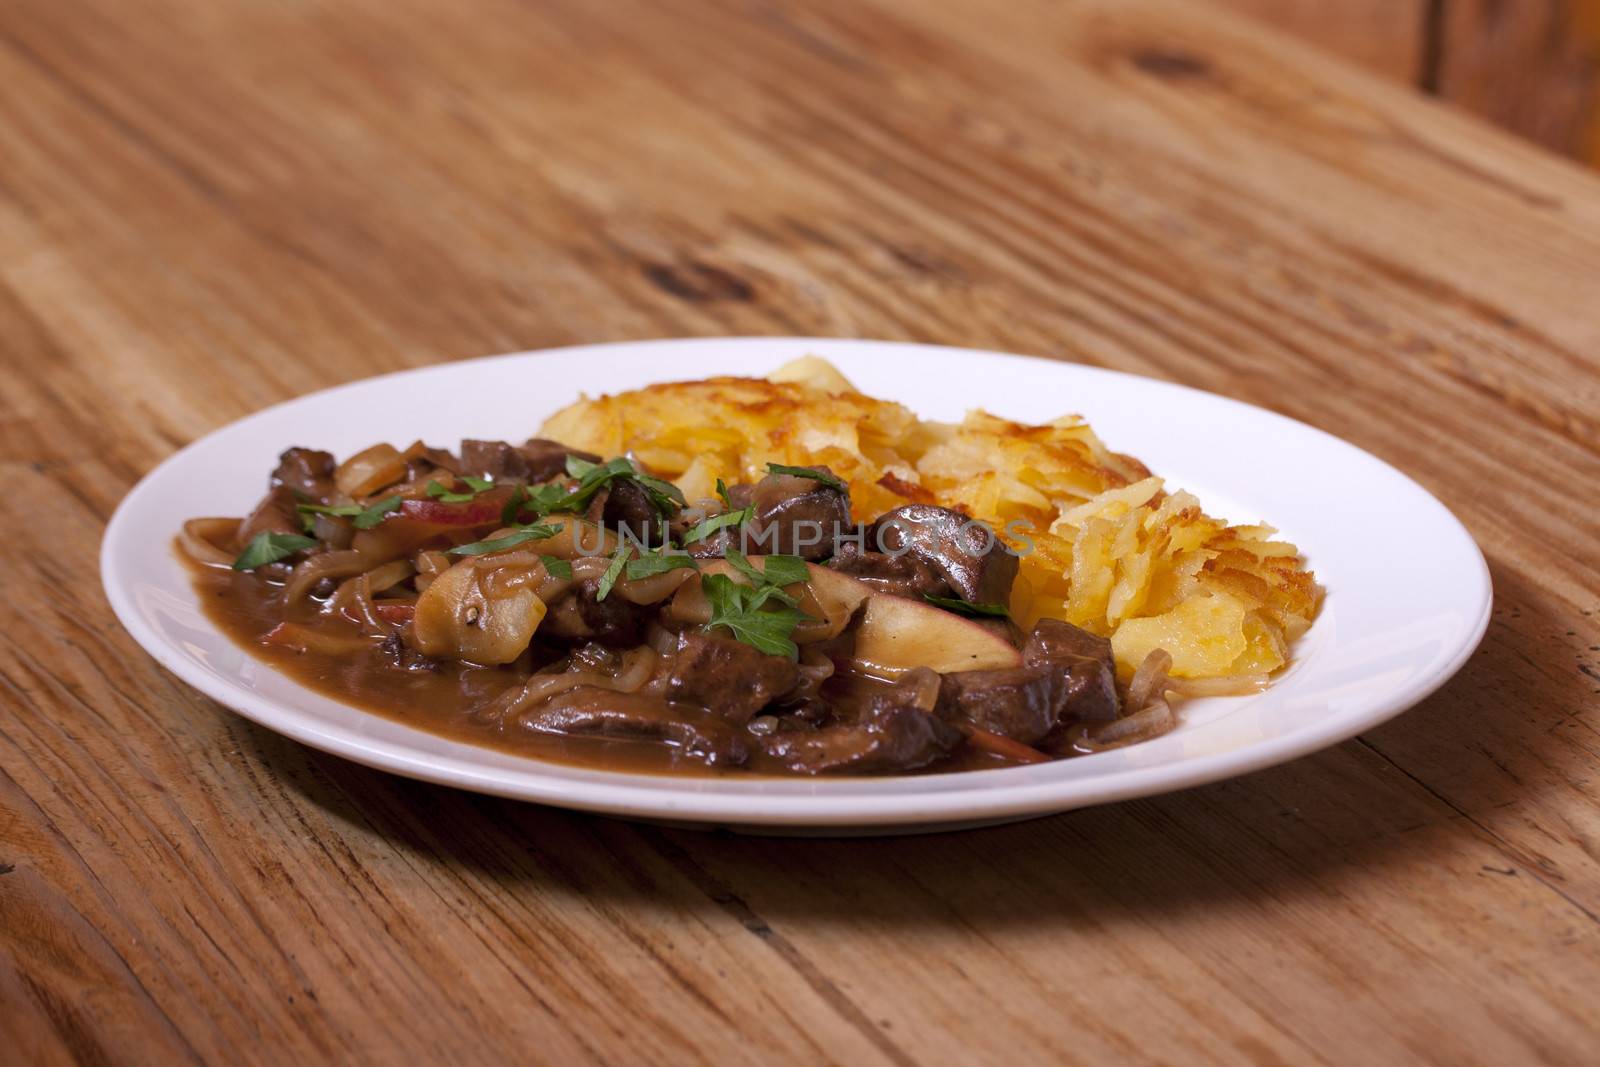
(343, 510)
(780, 570)
(363, 518)
(309, 512)
(653, 564)
(269, 546)
(706, 527)
(513, 508)
(613, 572)
(742, 610)
(765, 586)
(373, 515)
(787, 570)
(557, 568)
(665, 496)
(722, 493)
(446, 496)
(967, 607)
(760, 614)
(809, 472)
(527, 533)
(449, 496)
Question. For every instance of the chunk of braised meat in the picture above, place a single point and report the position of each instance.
(961, 550)
(546, 459)
(1066, 677)
(905, 575)
(730, 678)
(495, 460)
(623, 505)
(590, 711)
(405, 658)
(306, 471)
(896, 731)
(276, 513)
(1054, 639)
(798, 516)
(1028, 703)
(887, 739)
(582, 616)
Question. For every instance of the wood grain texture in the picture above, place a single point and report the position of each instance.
(1532, 66)
(1387, 37)
(1529, 66)
(208, 208)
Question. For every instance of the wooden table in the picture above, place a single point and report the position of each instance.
(209, 207)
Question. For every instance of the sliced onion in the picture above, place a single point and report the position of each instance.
(1239, 685)
(1150, 680)
(370, 470)
(429, 566)
(324, 565)
(333, 531)
(354, 597)
(638, 664)
(199, 539)
(1153, 721)
(656, 588)
(577, 538)
(311, 639)
(588, 567)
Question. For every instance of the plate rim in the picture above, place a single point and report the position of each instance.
(623, 794)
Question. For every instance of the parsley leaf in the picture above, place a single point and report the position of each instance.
(309, 512)
(345, 510)
(450, 496)
(445, 496)
(722, 493)
(557, 568)
(738, 609)
(513, 508)
(526, 533)
(269, 546)
(665, 496)
(706, 527)
(613, 572)
(967, 607)
(373, 515)
(651, 565)
(577, 466)
(787, 570)
(809, 472)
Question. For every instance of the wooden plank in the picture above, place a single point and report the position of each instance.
(1386, 37)
(1529, 67)
(206, 210)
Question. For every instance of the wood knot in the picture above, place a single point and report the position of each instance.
(1172, 64)
(699, 283)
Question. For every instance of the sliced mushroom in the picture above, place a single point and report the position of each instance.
(483, 609)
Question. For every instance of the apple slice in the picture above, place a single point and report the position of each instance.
(896, 634)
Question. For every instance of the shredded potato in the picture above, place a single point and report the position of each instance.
(1103, 544)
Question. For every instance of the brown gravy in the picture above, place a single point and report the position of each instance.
(246, 607)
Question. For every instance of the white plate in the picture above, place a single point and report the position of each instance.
(1408, 592)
